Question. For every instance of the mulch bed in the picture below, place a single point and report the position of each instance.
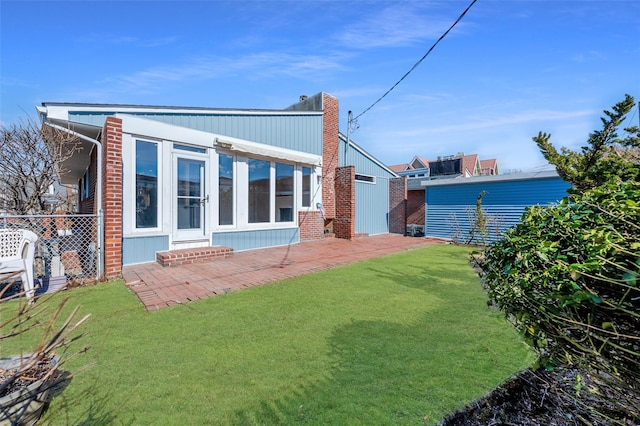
(543, 398)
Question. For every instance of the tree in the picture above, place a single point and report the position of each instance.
(31, 158)
(605, 158)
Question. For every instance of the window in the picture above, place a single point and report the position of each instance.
(259, 190)
(284, 193)
(225, 189)
(190, 148)
(306, 187)
(85, 186)
(146, 184)
(365, 178)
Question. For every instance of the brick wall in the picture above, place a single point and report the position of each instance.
(311, 225)
(345, 192)
(415, 206)
(112, 196)
(397, 205)
(330, 126)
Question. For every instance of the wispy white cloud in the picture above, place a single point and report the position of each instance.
(487, 122)
(265, 65)
(399, 25)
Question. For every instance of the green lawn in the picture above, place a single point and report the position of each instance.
(403, 339)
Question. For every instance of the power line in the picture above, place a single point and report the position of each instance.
(419, 62)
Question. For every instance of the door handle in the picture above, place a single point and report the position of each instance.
(204, 200)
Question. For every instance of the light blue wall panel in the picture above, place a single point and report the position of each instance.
(518, 192)
(143, 249)
(450, 208)
(247, 240)
(453, 221)
(300, 132)
(372, 199)
(96, 119)
(363, 162)
(372, 207)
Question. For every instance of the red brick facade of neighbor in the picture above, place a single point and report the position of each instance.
(338, 192)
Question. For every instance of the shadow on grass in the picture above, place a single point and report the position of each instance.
(387, 373)
(95, 415)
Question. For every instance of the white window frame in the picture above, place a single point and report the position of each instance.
(216, 186)
(371, 182)
(312, 186)
(241, 192)
(133, 190)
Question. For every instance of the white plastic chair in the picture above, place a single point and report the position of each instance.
(17, 248)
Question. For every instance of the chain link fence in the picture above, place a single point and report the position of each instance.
(67, 251)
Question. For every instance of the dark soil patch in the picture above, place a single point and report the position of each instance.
(544, 398)
(13, 380)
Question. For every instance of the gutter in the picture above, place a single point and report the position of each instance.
(98, 144)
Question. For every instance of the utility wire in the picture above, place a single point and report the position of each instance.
(419, 62)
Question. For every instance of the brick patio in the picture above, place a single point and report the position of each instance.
(158, 287)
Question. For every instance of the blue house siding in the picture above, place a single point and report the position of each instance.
(300, 132)
(372, 198)
(361, 160)
(254, 239)
(516, 192)
(369, 212)
(453, 222)
(450, 206)
(143, 249)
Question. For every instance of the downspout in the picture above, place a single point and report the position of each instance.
(98, 144)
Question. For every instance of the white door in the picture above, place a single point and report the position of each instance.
(191, 201)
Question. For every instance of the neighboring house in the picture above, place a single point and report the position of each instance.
(451, 166)
(420, 169)
(168, 178)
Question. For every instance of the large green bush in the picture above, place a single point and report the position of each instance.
(568, 279)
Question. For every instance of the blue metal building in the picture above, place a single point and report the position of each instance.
(451, 203)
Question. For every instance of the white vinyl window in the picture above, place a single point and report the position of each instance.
(225, 189)
(146, 184)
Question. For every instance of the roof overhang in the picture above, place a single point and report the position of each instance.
(545, 174)
(73, 168)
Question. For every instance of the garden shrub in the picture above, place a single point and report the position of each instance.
(567, 277)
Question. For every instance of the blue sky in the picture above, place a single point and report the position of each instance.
(508, 70)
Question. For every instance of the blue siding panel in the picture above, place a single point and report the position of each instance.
(372, 199)
(453, 222)
(300, 132)
(254, 239)
(517, 192)
(363, 163)
(372, 207)
(143, 249)
(450, 208)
